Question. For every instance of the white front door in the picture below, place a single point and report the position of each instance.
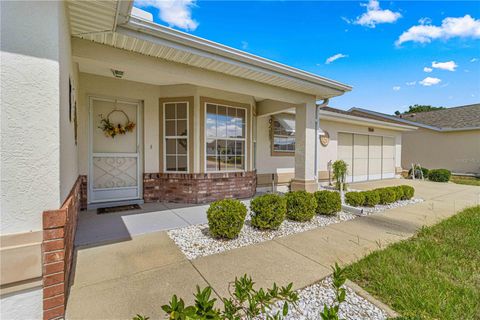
(115, 162)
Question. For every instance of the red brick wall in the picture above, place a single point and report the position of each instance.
(58, 239)
(198, 187)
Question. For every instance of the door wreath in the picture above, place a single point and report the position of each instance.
(111, 130)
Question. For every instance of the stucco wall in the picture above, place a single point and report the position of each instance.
(455, 151)
(266, 163)
(94, 85)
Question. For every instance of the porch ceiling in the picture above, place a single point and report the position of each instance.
(109, 23)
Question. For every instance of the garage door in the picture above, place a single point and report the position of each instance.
(368, 157)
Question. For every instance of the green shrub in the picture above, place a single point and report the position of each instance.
(328, 202)
(439, 175)
(398, 192)
(301, 206)
(340, 168)
(372, 198)
(408, 192)
(355, 199)
(268, 211)
(387, 195)
(417, 172)
(226, 218)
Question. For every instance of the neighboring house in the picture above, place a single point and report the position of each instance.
(446, 138)
(194, 127)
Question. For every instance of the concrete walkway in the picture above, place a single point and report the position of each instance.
(118, 280)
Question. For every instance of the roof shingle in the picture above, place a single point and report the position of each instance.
(458, 117)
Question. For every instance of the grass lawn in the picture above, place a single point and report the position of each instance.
(472, 181)
(435, 275)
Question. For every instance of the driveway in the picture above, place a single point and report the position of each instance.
(139, 275)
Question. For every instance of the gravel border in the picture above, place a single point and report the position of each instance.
(195, 241)
(312, 299)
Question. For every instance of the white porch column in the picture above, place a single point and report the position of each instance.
(305, 147)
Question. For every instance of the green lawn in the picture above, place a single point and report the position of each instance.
(435, 275)
(466, 180)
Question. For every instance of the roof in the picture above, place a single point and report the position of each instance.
(335, 114)
(110, 23)
(460, 118)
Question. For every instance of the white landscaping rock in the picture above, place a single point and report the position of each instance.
(312, 299)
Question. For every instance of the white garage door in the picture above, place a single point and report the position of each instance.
(368, 157)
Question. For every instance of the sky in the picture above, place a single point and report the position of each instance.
(393, 53)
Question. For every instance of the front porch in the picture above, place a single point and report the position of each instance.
(190, 143)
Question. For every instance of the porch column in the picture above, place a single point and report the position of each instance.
(305, 147)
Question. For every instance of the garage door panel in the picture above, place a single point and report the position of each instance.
(388, 151)
(360, 157)
(375, 158)
(345, 151)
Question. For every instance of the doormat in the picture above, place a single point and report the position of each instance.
(118, 209)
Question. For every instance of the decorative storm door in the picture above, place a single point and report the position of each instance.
(115, 166)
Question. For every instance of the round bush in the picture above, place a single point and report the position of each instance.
(328, 202)
(268, 211)
(439, 175)
(355, 199)
(398, 192)
(301, 206)
(387, 195)
(372, 198)
(226, 218)
(408, 192)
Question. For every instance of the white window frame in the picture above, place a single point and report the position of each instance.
(286, 152)
(175, 137)
(218, 138)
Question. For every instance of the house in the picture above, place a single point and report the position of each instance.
(100, 106)
(446, 138)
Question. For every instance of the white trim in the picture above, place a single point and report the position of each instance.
(138, 154)
(219, 138)
(176, 137)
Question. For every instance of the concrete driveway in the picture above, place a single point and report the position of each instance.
(118, 280)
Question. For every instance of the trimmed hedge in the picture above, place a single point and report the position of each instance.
(328, 202)
(268, 211)
(387, 195)
(372, 198)
(301, 206)
(226, 218)
(398, 192)
(355, 199)
(408, 192)
(439, 175)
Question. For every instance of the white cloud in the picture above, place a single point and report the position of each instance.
(411, 83)
(425, 20)
(396, 88)
(429, 81)
(463, 27)
(244, 45)
(473, 60)
(449, 65)
(177, 13)
(375, 15)
(335, 57)
(427, 69)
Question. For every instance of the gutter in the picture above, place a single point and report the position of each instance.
(335, 116)
(210, 49)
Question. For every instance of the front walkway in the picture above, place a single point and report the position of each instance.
(138, 276)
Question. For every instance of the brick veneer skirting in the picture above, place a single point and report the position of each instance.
(198, 187)
(58, 238)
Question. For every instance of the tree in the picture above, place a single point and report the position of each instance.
(417, 108)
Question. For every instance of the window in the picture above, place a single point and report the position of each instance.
(176, 136)
(225, 138)
(283, 131)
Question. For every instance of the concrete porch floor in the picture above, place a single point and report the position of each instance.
(118, 280)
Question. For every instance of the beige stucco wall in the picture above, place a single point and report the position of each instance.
(37, 166)
(456, 151)
(93, 85)
(267, 164)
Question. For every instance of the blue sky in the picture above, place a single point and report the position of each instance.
(393, 53)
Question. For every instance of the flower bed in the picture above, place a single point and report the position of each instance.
(195, 241)
(312, 299)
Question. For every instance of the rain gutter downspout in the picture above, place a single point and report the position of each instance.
(317, 126)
